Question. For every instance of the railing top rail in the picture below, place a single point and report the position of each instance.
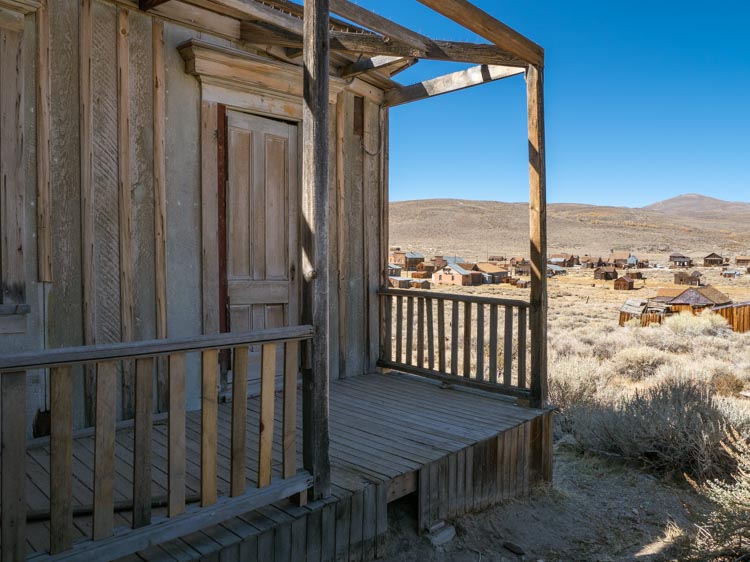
(151, 348)
(454, 297)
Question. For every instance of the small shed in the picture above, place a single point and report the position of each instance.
(555, 270)
(624, 283)
(684, 278)
(607, 273)
(742, 261)
(713, 260)
(523, 269)
(420, 283)
(394, 270)
(635, 274)
(399, 282)
(590, 262)
(698, 298)
(648, 312)
(523, 283)
(492, 272)
(564, 260)
(731, 273)
(679, 260)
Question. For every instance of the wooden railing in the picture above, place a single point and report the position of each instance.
(103, 541)
(457, 339)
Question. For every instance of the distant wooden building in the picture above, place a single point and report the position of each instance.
(428, 268)
(399, 282)
(420, 283)
(647, 312)
(455, 274)
(407, 260)
(699, 298)
(564, 260)
(606, 273)
(732, 273)
(590, 262)
(742, 261)
(493, 272)
(684, 278)
(619, 259)
(635, 274)
(713, 260)
(624, 283)
(496, 259)
(680, 260)
(523, 283)
(522, 269)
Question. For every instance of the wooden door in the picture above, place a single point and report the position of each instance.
(261, 223)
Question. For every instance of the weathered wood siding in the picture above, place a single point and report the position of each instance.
(108, 276)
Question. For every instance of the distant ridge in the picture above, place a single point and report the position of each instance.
(692, 224)
(696, 204)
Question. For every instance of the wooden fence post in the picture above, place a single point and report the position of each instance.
(315, 154)
(538, 220)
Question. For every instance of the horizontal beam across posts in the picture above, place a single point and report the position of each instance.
(513, 391)
(453, 82)
(126, 541)
(483, 24)
(377, 62)
(146, 5)
(454, 297)
(151, 348)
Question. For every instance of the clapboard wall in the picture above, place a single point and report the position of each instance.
(124, 214)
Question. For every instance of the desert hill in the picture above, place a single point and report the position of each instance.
(695, 225)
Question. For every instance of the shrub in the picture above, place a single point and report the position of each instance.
(726, 383)
(708, 323)
(675, 425)
(725, 530)
(638, 363)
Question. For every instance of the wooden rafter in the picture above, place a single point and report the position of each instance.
(384, 26)
(449, 83)
(480, 22)
(375, 63)
(150, 4)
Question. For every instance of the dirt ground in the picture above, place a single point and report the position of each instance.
(594, 510)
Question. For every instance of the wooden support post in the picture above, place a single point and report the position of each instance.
(13, 457)
(538, 221)
(43, 155)
(61, 459)
(315, 154)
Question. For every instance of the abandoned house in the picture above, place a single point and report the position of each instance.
(713, 260)
(685, 278)
(589, 262)
(624, 283)
(492, 273)
(564, 260)
(742, 261)
(679, 260)
(194, 220)
(619, 259)
(457, 274)
(606, 273)
(695, 299)
(407, 260)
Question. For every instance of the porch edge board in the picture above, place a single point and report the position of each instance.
(127, 541)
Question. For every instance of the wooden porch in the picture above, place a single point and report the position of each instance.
(390, 435)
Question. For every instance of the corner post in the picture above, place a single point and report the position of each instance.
(315, 174)
(538, 238)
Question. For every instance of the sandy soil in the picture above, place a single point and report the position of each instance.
(595, 510)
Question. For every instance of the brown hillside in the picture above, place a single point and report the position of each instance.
(476, 228)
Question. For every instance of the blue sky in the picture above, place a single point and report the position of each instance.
(644, 101)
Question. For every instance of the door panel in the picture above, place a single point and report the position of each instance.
(262, 223)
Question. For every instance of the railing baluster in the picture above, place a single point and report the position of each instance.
(104, 450)
(289, 458)
(409, 330)
(388, 320)
(267, 395)
(144, 397)
(176, 453)
(454, 338)
(441, 335)
(209, 436)
(13, 474)
(508, 346)
(420, 332)
(240, 365)
(522, 347)
(399, 327)
(480, 342)
(467, 340)
(61, 459)
(430, 335)
(493, 343)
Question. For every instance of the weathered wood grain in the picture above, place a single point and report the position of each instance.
(43, 154)
(176, 429)
(240, 367)
(144, 404)
(13, 457)
(61, 459)
(104, 451)
(267, 387)
(209, 397)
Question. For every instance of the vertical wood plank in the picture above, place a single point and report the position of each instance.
(289, 440)
(176, 429)
(480, 342)
(423, 499)
(382, 520)
(399, 328)
(43, 154)
(538, 234)
(61, 459)
(315, 183)
(104, 450)
(467, 340)
(522, 347)
(388, 322)
(209, 219)
(13, 457)
(441, 334)
(240, 367)
(454, 338)
(420, 332)
(508, 347)
(430, 335)
(461, 482)
(144, 403)
(493, 343)
(265, 446)
(209, 436)
(409, 330)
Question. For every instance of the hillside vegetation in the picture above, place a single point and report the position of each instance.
(691, 224)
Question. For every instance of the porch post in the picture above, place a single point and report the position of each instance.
(315, 154)
(538, 221)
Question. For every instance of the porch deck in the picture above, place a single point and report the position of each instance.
(390, 435)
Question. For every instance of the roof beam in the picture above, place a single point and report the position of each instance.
(146, 5)
(375, 63)
(480, 22)
(449, 83)
(253, 10)
(384, 26)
